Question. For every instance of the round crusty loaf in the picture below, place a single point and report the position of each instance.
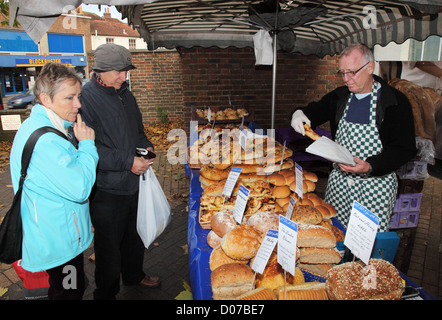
(213, 240)
(218, 258)
(276, 179)
(242, 242)
(263, 221)
(314, 236)
(231, 280)
(306, 214)
(222, 222)
(380, 280)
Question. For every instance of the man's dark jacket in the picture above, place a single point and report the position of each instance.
(394, 120)
(119, 130)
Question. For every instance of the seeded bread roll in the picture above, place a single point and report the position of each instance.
(242, 242)
(380, 280)
(231, 280)
(306, 214)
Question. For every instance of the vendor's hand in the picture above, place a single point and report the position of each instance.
(298, 120)
(82, 131)
(140, 165)
(360, 167)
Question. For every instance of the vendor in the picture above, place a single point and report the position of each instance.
(375, 123)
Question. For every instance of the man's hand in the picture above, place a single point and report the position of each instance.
(298, 120)
(360, 167)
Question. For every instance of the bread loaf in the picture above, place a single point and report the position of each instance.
(306, 214)
(218, 258)
(380, 280)
(276, 179)
(273, 276)
(304, 291)
(263, 221)
(319, 269)
(262, 293)
(281, 191)
(231, 280)
(313, 236)
(242, 242)
(222, 222)
(319, 255)
(213, 240)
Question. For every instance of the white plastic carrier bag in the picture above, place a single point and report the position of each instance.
(153, 208)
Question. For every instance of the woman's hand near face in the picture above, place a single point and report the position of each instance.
(82, 131)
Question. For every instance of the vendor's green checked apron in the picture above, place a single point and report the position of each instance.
(377, 194)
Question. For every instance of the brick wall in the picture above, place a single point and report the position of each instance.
(197, 77)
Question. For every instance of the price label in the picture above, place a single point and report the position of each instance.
(240, 204)
(361, 232)
(231, 181)
(299, 189)
(265, 251)
(289, 212)
(287, 239)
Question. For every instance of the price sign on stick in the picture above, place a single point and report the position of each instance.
(361, 232)
(264, 251)
(299, 187)
(240, 204)
(231, 181)
(291, 205)
(287, 238)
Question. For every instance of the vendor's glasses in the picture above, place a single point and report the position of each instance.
(351, 74)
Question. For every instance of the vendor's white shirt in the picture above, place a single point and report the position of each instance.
(411, 73)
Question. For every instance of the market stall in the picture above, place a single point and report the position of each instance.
(201, 250)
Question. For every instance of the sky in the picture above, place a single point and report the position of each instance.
(94, 9)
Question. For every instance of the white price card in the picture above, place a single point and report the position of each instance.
(231, 181)
(361, 232)
(299, 189)
(240, 204)
(265, 251)
(287, 239)
(290, 207)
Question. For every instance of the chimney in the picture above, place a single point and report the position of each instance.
(106, 14)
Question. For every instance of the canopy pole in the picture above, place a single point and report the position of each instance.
(274, 81)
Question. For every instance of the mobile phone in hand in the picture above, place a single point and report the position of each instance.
(145, 153)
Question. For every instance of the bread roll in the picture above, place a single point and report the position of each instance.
(231, 280)
(213, 240)
(310, 176)
(339, 234)
(306, 214)
(276, 179)
(380, 280)
(324, 211)
(319, 255)
(316, 269)
(273, 276)
(313, 236)
(218, 258)
(263, 221)
(282, 201)
(304, 291)
(242, 242)
(331, 209)
(262, 293)
(222, 222)
(281, 191)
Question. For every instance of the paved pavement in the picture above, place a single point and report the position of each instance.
(419, 254)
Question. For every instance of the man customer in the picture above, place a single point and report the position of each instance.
(112, 111)
(54, 208)
(375, 123)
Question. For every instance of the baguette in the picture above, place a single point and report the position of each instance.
(310, 133)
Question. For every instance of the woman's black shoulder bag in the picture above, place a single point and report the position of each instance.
(11, 232)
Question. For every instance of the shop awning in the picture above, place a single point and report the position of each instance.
(319, 27)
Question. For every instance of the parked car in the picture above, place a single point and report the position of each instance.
(21, 101)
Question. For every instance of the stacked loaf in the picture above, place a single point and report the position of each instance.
(224, 114)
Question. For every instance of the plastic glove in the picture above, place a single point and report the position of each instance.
(298, 120)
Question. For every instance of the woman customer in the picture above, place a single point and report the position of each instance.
(54, 207)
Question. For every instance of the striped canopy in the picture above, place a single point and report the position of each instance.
(319, 27)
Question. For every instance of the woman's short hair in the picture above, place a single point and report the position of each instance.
(51, 76)
(366, 52)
